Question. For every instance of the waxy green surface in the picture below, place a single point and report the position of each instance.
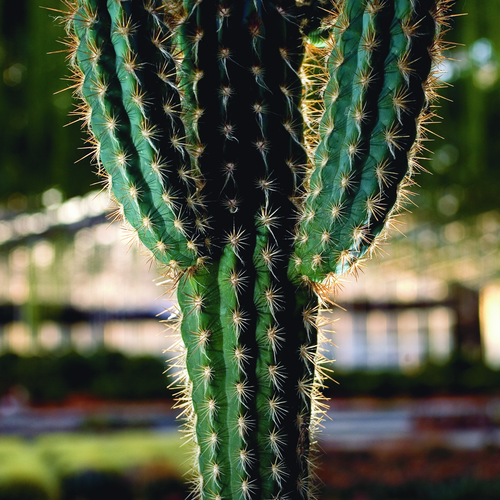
(197, 113)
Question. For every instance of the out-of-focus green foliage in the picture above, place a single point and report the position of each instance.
(112, 375)
(102, 374)
(24, 475)
(465, 169)
(457, 377)
(127, 465)
(70, 454)
(38, 152)
(149, 466)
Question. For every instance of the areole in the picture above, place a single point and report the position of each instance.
(259, 149)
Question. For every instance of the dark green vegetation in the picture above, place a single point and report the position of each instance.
(38, 153)
(104, 374)
(465, 159)
(114, 376)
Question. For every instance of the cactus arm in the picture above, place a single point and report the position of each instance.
(149, 178)
(375, 100)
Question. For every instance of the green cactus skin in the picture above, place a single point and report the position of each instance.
(207, 126)
(138, 143)
(250, 386)
(375, 99)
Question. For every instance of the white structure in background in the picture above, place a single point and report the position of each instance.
(382, 336)
(89, 269)
(397, 313)
(490, 320)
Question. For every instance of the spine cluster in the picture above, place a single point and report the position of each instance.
(252, 377)
(258, 149)
(123, 65)
(377, 102)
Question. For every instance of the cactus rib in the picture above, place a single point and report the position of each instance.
(375, 102)
(259, 149)
(139, 147)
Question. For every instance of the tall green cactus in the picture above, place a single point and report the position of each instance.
(258, 149)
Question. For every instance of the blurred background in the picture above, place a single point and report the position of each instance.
(85, 412)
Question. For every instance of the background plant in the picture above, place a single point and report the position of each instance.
(259, 150)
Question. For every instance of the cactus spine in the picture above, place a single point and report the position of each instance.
(207, 125)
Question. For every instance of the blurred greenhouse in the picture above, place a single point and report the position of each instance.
(69, 281)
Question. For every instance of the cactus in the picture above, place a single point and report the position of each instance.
(259, 149)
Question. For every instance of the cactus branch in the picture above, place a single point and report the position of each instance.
(377, 100)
